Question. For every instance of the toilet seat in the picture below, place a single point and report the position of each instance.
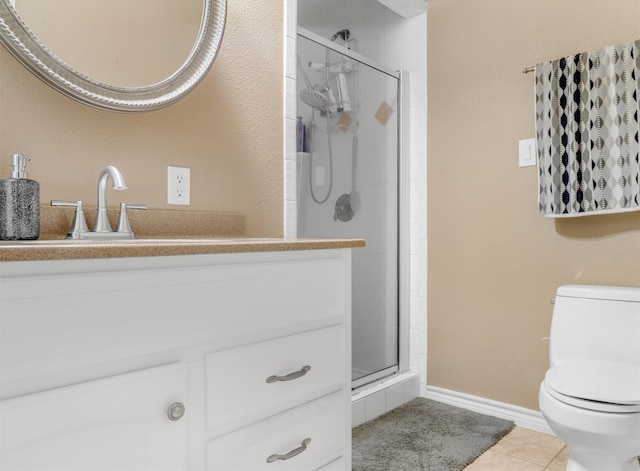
(590, 404)
(596, 385)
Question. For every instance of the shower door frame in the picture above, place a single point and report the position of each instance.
(402, 118)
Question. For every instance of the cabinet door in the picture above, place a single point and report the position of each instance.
(117, 423)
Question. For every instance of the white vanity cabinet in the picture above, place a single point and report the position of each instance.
(218, 362)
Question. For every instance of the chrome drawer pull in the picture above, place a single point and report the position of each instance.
(290, 376)
(292, 453)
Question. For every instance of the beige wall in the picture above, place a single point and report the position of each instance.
(493, 261)
(228, 131)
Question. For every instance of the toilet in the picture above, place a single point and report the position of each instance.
(590, 396)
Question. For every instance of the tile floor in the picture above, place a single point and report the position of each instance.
(523, 450)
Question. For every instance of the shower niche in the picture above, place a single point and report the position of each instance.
(347, 183)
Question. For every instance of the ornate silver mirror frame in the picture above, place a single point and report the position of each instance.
(16, 36)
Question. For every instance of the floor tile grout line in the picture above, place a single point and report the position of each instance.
(526, 460)
(541, 467)
(554, 458)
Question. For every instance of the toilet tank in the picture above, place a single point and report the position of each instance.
(595, 323)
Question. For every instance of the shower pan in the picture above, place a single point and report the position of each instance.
(348, 184)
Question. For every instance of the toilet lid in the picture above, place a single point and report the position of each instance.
(601, 381)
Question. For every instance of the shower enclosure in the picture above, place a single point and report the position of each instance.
(348, 172)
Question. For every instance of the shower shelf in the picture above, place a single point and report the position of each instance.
(335, 117)
(337, 128)
(336, 113)
(338, 67)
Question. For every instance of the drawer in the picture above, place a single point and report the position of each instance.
(220, 304)
(299, 368)
(321, 423)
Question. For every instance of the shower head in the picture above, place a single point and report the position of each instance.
(314, 98)
(311, 95)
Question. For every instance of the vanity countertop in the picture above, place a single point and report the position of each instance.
(15, 251)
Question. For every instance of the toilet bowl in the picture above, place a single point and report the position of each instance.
(596, 440)
(590, 395)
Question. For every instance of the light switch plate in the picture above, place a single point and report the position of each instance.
(527, 152)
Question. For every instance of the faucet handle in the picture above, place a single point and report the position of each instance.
(133, 206)
(79, 224)
(123, 225)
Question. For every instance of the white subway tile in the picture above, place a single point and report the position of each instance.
(422, 370)
(395, 396)
(358, 415)
(290, 226)
(290, 138)
(375, 405)
(290, 99)
(412, 388)
(353, 11)
(290, 17)
(371, 6)
(290, 180)
(394, 26)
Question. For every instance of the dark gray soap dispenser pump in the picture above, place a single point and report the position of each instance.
(19, 203)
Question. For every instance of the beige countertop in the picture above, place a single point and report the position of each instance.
(14, 251)
(159, 233)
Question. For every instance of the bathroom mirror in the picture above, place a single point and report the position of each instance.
(118, 55)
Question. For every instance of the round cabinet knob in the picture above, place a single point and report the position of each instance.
(176, 411)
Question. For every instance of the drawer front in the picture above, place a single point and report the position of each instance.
(320, 424)
(250, 383)
(164, 310)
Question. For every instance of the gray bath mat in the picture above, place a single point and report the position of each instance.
(425, 435)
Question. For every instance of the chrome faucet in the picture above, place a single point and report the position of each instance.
(102, 228)
(117, 179)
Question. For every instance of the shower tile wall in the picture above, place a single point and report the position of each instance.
(396, 42)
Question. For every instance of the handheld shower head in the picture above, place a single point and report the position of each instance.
(311, 95)
(314, 98)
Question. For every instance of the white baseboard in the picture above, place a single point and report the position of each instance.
(522, 417)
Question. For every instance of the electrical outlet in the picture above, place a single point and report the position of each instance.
(178, 185)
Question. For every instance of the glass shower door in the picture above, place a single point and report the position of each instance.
(347, 186)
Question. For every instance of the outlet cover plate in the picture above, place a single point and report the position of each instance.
(178, 185)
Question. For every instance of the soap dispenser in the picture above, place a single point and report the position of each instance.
(19, 203)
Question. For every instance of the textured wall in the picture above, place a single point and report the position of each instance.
(493, 261)
(228, 131)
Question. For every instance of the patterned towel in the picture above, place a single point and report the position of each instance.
(588, 132)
